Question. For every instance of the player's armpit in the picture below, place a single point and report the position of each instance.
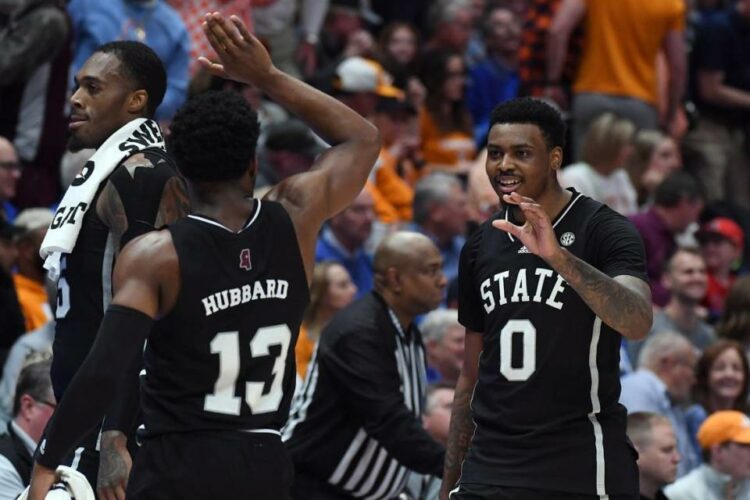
(623, 302)
(462, 426)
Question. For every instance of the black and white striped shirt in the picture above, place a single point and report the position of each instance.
(356, 422)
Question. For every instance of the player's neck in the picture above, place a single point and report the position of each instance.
(227, 203)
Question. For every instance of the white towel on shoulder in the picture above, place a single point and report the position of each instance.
(134, 136)
(71, 484)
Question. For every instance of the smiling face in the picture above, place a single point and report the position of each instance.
(518, 160)
(102, 103)
(726, 377)
(402, 45)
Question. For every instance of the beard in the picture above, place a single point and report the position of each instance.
(75, 144)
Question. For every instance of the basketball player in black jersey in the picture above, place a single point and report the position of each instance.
(547, 288)
(224, 291)
(120, 82)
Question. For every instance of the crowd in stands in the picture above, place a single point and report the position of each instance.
(657, 98)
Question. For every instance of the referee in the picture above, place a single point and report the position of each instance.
(355, 429)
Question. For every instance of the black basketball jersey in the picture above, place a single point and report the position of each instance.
(223, 358)
(546, 401)
(85, 283)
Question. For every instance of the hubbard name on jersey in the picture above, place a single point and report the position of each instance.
(546, 402)
(238, 312)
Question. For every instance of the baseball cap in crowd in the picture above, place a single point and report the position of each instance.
(722, 227)
(357, 74)
(33, 218)
(723, 427)
(292, 135)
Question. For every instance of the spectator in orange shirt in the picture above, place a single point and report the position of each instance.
(29, 279)
(399, 158)
(618, 71)
(445, 121)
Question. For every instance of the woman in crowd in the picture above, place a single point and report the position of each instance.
(655, 156)
(398, 43)
(600, 175)
(331, 290)
(721, 383)
(445, 121)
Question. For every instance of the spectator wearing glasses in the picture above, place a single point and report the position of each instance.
(33, 406)
(662, 385)
(10, 173)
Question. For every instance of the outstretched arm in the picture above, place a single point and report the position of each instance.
(339, 174)
(140, 270)
(462, 426)
(622, 302)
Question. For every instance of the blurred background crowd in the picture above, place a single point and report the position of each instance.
(656, 94)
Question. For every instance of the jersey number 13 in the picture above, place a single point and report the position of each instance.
(227, 346)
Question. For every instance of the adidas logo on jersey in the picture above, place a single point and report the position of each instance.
(523, 249)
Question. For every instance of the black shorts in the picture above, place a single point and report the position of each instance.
(471, 491)
(211, 465)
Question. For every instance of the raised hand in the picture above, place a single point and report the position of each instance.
(242, 57)
(536, 233)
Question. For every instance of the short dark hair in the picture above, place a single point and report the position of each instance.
(676, 187)
(142, 67)
(213, 137)
(34, 380)
(532, 111)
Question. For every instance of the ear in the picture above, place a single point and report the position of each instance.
(26, 406)
(137, 102)
(556, 158)
(393, 279)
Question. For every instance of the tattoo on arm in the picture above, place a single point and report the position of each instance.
(459, 436)
(175, 203)
(110, 209)
(626, 309)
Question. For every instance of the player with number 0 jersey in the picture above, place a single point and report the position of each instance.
(220, 294)
(547, 288)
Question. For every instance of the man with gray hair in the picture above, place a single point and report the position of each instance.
(32, 226)
(33, 405)
(444, 343)
(440, 213)
(662, 385)
(449, 26)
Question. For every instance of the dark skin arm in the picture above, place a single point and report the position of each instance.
(146, 278)
(115, 461)
(622, 302)
(462, 426)
(339, 174)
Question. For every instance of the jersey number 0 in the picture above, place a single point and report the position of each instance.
(227, 346)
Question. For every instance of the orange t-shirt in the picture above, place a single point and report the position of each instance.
(394, 193)
(33, 300)
(622, 40)
(444, 148)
